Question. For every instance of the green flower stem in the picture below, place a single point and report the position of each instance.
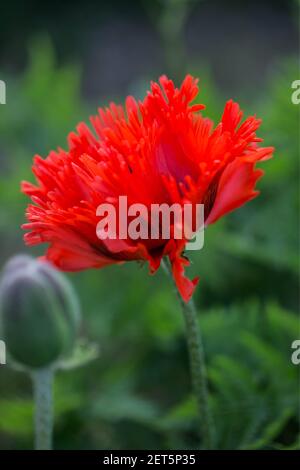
(197, 366)
(42, 385)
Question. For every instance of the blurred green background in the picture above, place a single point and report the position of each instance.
(60, 62)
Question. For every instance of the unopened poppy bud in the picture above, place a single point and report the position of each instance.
(39, 312)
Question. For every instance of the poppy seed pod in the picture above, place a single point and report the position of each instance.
(39, 312)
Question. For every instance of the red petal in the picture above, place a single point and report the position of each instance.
(236, 187)
(184, 285)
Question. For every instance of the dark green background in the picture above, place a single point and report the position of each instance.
(60, 62)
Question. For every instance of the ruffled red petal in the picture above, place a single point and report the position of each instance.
(235, 188)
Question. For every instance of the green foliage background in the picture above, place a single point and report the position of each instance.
(137, 393)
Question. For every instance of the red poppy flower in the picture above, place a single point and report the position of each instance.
(160, 150)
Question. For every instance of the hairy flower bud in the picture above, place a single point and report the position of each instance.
(39, 312)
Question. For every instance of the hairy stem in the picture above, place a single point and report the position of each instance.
(42, 385)
(197, 367)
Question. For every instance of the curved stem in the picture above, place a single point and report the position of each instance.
(42, 385)
(197, 366)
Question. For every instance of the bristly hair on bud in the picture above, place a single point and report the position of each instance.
(39, 312)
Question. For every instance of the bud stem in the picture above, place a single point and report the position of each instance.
(197, 366)
(42, 385)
